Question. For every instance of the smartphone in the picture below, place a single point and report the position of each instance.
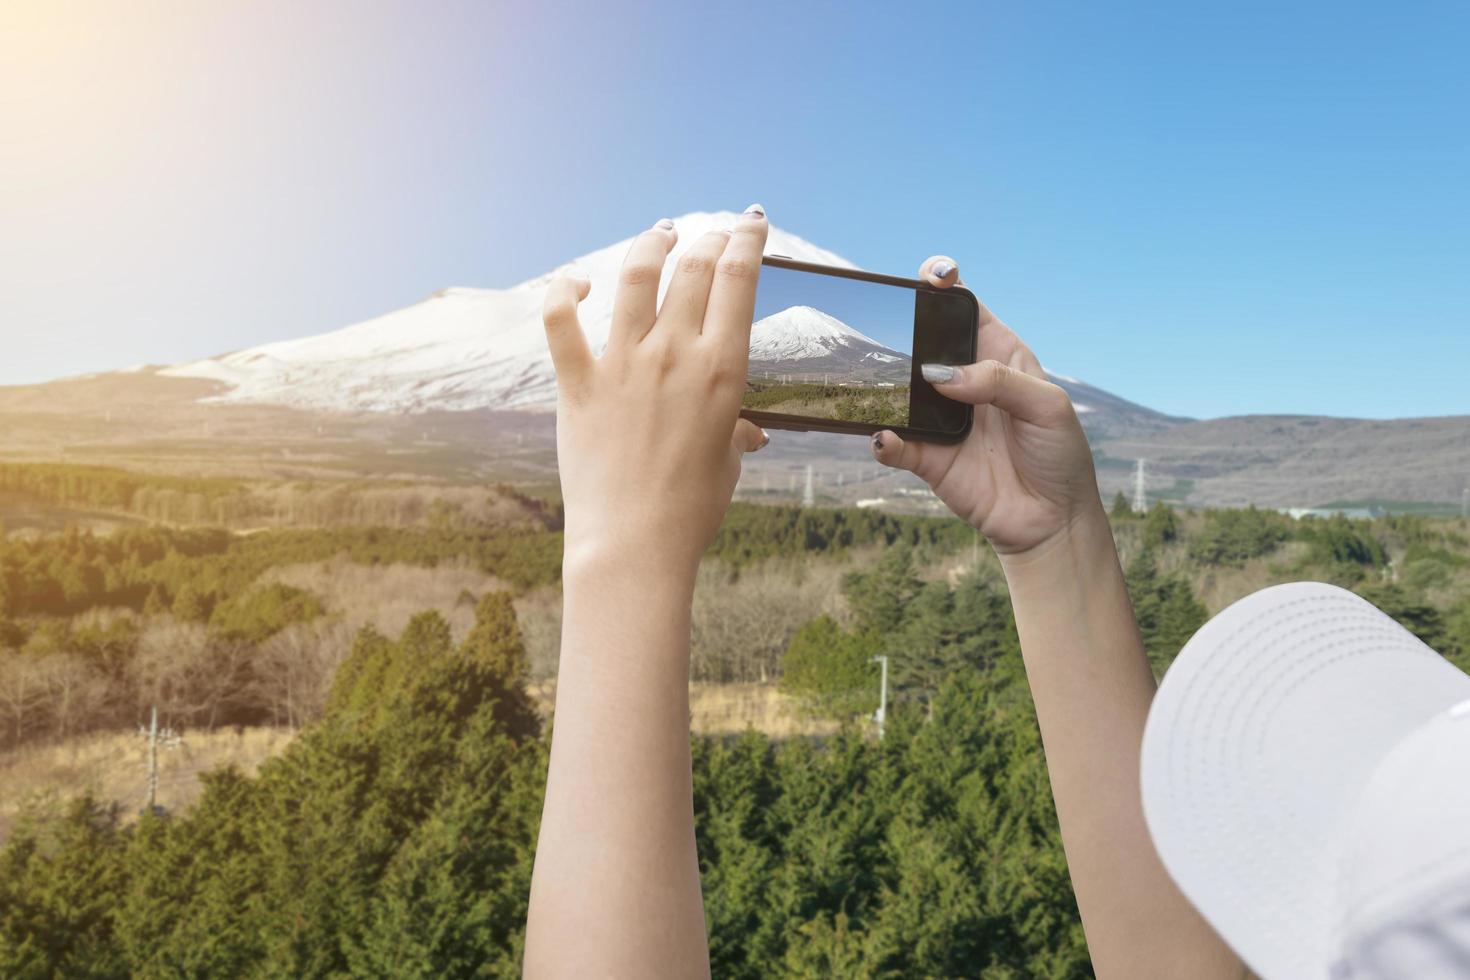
(838, 350)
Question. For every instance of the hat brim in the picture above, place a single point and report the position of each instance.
(1259, 741)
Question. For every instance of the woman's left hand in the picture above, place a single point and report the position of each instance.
(648, 436)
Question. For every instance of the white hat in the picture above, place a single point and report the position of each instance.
(1306, 780)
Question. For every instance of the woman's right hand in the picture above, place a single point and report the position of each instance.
(1024, 474)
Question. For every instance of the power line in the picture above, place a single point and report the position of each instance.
(881, 715)
(167, 738)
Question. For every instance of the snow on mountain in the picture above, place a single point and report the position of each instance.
(804, 342)
(803, 331)
(485, 348)
(459, 349)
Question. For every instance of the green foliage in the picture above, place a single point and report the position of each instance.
(395, 842)
(933, 853)
(1411, 610)
(155, 604)
(191, 605)
(395, 836)
(830, 670)
(100, 486)
(59, 882)
(1121, 510)
(880, 595)
(1337, 542)
(874, 405)
(1165, 606)
(1457, 634)
(928, 630)
(1161, 526)
(752, 532)
(264, 611)
(69, 573)
(1231, 537)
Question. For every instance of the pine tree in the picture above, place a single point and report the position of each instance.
(1167, 611)
(1161, 526)
(830, 670)
(360, 680)
(156, 604)
(495, 643)
(190, 605)
(880, 595)
(1413, 612)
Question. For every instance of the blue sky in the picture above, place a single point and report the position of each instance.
(883, 313)
(1210, 209)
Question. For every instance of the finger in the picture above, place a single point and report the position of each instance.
(890, 450)
(732, 297)
(748, 437)
(636, 303)
(570, 355)
(939, 270)
(688, 295)
(1010, 389)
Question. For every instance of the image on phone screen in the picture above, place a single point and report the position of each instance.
(831, 348)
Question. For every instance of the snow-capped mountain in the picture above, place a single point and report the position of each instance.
(458, 349)
(807, 342)
(464, 348)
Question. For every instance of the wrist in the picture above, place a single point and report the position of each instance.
(609, 564)
(1081, 547)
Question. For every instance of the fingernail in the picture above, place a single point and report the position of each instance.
(667, 224)
(576, 272)
(765, 439)
(756, 210)
(942, 269)
(937, 374)
(877, 440)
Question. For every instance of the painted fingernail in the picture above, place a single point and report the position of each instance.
(877, 440)
(765, 439)
(667, 224)
(756, 211)
(937, 374)
(942, 269)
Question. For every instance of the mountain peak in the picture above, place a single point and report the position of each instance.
(466, 347)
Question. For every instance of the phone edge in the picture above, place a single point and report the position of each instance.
(809, 423)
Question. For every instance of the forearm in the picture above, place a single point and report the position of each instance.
(1092, 685)
(615, 890)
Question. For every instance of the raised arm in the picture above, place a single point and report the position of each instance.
(1025, 479)
(649, 448)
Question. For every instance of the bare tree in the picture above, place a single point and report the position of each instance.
(22, 693)
(294, 669)
(539, 614)
(745, 618)
(76, 693)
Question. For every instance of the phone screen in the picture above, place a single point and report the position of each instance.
(841, 348)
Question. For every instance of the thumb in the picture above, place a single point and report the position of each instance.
(748, 437)
(1017, 393)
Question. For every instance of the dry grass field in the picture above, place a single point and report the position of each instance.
(114, 765)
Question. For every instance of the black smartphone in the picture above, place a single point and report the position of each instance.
(838, 350)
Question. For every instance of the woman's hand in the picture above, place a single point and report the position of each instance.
(1024, 474)
(648, 435)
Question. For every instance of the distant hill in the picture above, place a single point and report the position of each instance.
(460, 386)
